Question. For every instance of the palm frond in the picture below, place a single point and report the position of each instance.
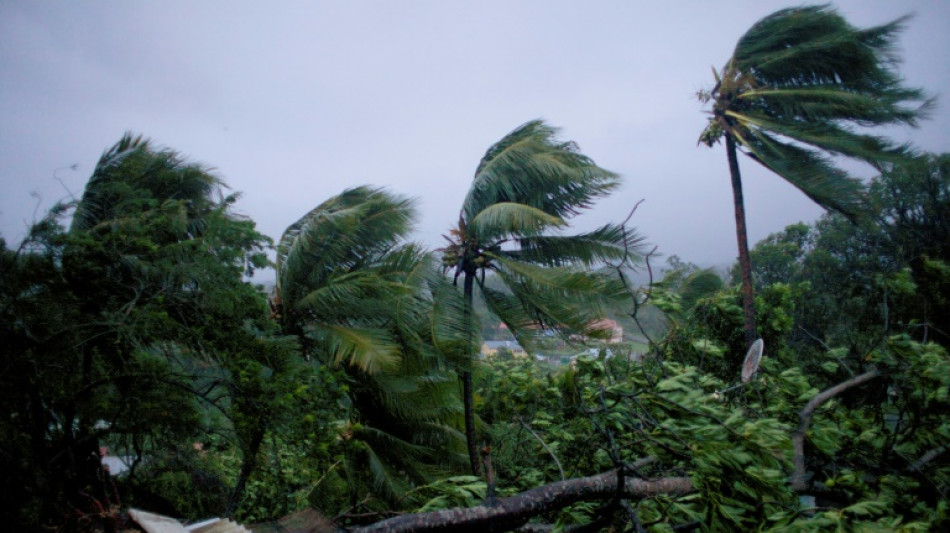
(830, 102)
(371, 350)
(348, 294)
(562, 299)
(452, 335)
(412, 396)
(499, 220)
(344, 233)
(529, 166)
(394, 460)
(571, 282)
(815, 45)
(513, 313)
(826, 136)
(131, 178)
(609, 243)
(809, 171)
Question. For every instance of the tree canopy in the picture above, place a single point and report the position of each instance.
(134, 336)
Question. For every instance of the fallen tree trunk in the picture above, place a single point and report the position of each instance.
(514, 511)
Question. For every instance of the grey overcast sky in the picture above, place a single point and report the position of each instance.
(292, 102)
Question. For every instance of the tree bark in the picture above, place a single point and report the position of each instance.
(247, 467)
(804, 418)
(514, 511)
(468, 398)
(745, 263)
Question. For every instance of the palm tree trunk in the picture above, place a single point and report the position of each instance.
(467, 395)
(745, 264)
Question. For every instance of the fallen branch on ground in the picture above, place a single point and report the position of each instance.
(514, 511)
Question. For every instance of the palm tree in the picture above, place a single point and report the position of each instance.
(361, 299)
(801, 85)
(525, 188)
(335, 277)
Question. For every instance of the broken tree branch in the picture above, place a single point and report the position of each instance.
(926, 458)
(798, 477)
(514, 511)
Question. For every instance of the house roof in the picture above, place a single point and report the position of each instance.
(156, 523)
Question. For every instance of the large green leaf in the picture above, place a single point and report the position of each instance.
(499, 220)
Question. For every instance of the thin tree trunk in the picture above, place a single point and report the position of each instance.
(745, 263)
(467, 395)
(247, 467)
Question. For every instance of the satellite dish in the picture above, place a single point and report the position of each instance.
(752, 359)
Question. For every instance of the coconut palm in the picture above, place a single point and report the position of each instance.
(336, 277)
(801, 86)
(361, 299)
(525, 189)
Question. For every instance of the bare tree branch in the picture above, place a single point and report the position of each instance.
(926, 458)
(804, 417)
(544, 445)
(514, 511)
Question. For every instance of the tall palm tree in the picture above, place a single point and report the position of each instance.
(799, 89)
(525, 189)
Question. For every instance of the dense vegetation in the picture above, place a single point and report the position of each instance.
(130, 321)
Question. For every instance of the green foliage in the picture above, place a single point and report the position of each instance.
(778, 258)
(735, 444)
(121, 330)
(525, 189)
(456, 491)
(136, 328)
(365, 303)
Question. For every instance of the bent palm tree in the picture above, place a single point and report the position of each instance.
(336, 280)
(360, 298)
(798, 83)
(525, 188)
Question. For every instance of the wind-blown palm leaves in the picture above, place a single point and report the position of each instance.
(338, 273)
(362, 300)
(525, 189)
(801, 85)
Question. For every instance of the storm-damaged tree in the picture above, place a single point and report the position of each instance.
(360, 298)
(106, 324)
(525, 189)
(799, 89)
